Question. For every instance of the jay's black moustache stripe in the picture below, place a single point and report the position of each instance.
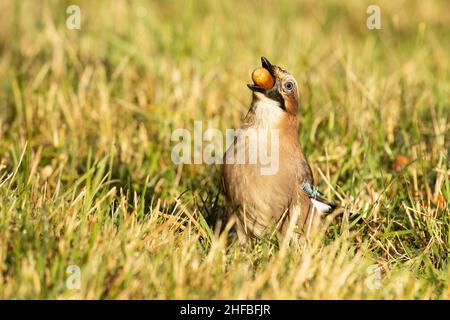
(275, 95)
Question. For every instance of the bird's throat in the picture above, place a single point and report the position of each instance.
(266, 112)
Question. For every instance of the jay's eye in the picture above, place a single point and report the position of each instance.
(288, 86)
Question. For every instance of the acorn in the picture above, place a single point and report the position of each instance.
(400, 162)
(262, 78)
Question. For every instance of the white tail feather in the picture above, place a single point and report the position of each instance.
(322, 207)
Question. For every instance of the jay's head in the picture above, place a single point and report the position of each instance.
(284, 92)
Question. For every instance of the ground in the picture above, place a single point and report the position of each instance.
(93, 207)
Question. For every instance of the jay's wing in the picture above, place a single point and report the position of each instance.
(320, 204)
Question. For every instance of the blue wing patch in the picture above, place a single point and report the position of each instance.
(319, 203)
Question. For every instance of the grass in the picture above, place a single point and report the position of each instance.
(86, 177)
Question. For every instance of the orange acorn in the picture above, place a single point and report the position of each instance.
(400, 162)
(439, 200)
(262, 78)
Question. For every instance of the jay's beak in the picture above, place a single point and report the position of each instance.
(265, 63)
(272, 93)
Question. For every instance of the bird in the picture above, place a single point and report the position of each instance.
(267, 203)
